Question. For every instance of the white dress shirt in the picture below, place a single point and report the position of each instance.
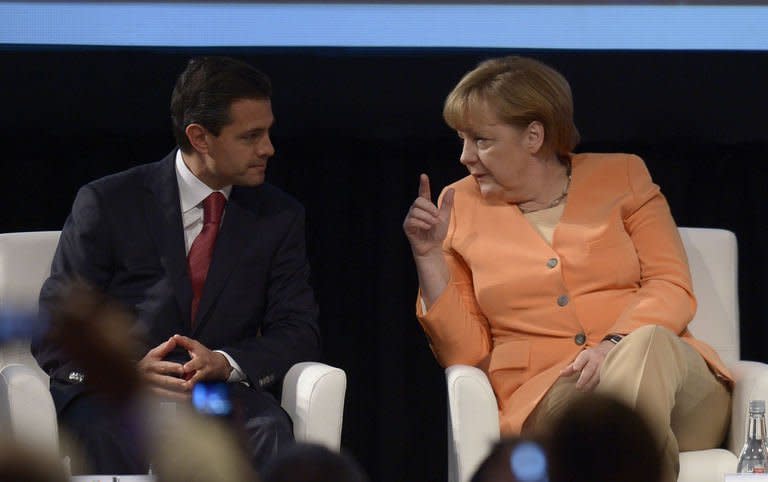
(192, 192)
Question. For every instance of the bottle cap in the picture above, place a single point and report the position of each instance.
(757, 406)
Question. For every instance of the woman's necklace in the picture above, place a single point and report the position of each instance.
(555, 202)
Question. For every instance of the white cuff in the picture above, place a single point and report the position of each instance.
(236, 375)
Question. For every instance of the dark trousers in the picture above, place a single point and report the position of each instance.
(111, 438)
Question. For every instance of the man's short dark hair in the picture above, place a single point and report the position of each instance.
(206, 89)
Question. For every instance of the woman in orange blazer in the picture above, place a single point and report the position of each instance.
(560, 273)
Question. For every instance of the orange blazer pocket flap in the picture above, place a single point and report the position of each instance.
(511, 354)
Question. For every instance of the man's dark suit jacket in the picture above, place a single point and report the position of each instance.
(125, 236)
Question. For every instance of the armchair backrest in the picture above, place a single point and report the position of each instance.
(25, 263)
(713, 258)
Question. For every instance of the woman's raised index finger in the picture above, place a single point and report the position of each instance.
(424, 191)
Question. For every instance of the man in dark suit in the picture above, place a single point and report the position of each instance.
(217, 296)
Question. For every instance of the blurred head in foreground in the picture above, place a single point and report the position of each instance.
(19, 463)
(312, 463)
(599, 439)
(95, 331)
(190, 447)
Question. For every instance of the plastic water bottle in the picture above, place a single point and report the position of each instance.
(754, 456)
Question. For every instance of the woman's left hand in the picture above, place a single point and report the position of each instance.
(588, 363)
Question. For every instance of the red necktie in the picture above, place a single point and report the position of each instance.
(199, 258)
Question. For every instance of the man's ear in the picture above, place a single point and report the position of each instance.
(198, 137)
(534, 137)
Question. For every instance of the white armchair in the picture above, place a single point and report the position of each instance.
(313, 393)
(473, 425)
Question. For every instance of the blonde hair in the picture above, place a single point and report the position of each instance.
(519, 90)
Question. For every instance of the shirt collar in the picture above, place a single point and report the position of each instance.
(192, 190)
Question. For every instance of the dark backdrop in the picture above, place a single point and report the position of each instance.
(354, 129)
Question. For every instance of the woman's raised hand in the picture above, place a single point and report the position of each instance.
(426, 225)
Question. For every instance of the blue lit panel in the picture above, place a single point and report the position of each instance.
(184, 24)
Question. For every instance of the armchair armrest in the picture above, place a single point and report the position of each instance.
(474, 420)
(26, 409)
(313, 395)
(751, 383)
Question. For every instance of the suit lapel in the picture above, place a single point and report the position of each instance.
(235, 233)
(163, 210)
